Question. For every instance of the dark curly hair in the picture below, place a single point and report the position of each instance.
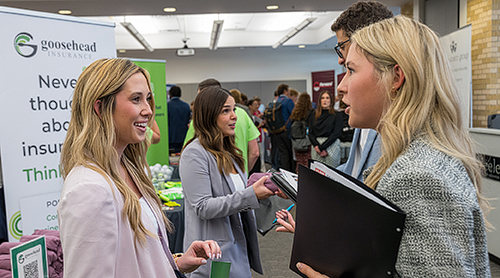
(302, 108)
(359, 15)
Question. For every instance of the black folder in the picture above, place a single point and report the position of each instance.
(340, 232)
(278, 179)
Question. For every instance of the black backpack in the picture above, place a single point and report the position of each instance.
(274, 117)
(298, 129)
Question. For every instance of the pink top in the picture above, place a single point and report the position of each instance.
(97, 240)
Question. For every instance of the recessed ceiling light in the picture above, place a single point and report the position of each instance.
(169, 9)
(302, 46)
(122, 50)
(272, 7)
(64, 11)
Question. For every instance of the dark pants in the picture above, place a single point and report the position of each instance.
(281, 146)
(176, 147)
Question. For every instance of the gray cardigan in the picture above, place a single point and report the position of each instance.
(214, 210)
(444, 233)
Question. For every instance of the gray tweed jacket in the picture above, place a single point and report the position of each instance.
(444, 233)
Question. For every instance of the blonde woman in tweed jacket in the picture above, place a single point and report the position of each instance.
(399, 83)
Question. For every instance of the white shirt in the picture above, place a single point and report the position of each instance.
(363, 136)
(237, 181)
(146, 208)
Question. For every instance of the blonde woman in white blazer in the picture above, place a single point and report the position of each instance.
(110, 218)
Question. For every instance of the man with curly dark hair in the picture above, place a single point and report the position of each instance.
(357, 16)
(365, 148)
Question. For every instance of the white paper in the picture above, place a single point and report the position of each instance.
(324, 170)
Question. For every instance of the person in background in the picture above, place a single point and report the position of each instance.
(281, 146)
(325, 129)
(244, 99)
(110, 218)
(294, 95)
(219, 205)
(347, 133)
(179, 114)
(253, 105)
(399, 82)
(262, 107)
(239, 103)
(365, 147)
(153, 133)
(301, 112)
(246, 132)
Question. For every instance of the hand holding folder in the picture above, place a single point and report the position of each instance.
(344, 228)
(286, 182)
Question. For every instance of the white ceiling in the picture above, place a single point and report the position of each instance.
(246, 23)
(239, 30)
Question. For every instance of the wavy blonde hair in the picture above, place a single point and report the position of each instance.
(207, 107)
(91, 139)
(427, 103)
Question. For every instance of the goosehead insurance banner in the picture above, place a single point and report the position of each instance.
(42, 56)
(322, 81)
(457, 46)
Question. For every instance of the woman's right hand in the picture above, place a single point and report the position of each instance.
(316, 148)
(282, 216)
(197, 254)
(261, 191)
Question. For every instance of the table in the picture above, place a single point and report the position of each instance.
(176, 216)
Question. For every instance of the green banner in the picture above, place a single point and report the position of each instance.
(158, 153)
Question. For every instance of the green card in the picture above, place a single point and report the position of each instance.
(220, 269)
(29, 259)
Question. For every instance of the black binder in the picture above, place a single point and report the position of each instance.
(284, 186)
(340, 232)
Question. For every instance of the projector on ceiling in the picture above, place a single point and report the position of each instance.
(185, 51)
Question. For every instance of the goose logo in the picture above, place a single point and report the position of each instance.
(23, 46)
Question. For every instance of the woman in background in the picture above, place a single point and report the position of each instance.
(110, 219)
(399, 82)
(299, 116)
(325, 129)
(219, 205)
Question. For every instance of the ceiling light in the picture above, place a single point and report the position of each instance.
(64, 12)
(272, 7)
(122, 51)
(216, 31)
(169, 9)
(137, 35)
(294, 32)
(302, 46)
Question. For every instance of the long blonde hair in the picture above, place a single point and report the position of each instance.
(207, 107)
(91, 137)
(427, 103)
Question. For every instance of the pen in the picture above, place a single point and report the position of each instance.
(288, 209)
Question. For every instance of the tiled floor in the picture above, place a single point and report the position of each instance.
(275, 249)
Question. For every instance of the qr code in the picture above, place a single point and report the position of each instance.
(31, 270)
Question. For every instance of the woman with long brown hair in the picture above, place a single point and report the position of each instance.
(299, 129)
(219, 205)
